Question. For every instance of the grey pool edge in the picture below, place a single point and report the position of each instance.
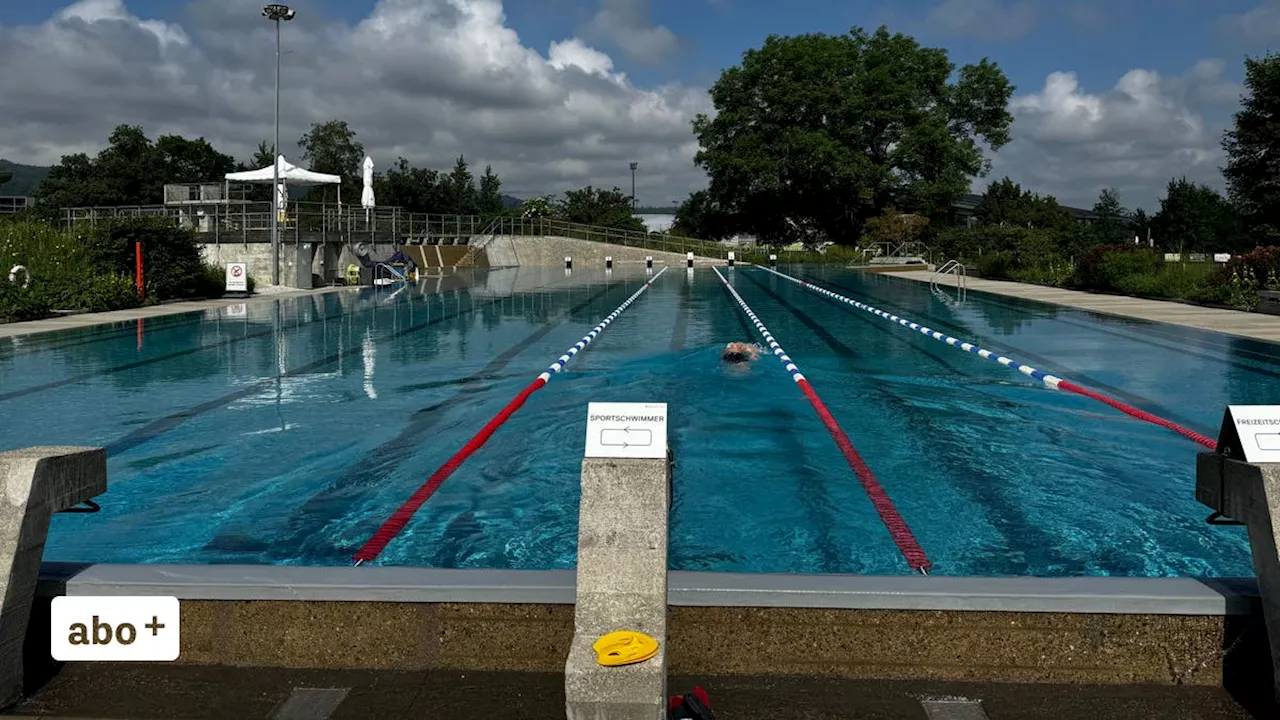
(1104, 595)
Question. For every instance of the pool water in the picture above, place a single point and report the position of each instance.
(284, 432)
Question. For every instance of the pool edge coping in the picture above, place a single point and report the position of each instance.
(1089, 595)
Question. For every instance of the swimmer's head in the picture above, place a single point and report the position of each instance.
(733, 356)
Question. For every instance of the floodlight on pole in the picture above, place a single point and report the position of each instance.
(633, 186)
(276, 12)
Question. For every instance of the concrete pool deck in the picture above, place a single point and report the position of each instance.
(1256, 326)
(82, 320)
(120, 691)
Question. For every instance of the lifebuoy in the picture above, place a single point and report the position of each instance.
(362, 250)
(20, 270)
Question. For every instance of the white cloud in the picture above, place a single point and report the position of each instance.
(426, 79)
(1259, 25)
(627, 23)
(984, 19)
(1072, 143)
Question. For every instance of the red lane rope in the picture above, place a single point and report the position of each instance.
(897, 527)
(1050, 381)
(400, 518)
(1140, 414)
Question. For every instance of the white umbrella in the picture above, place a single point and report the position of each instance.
(366, 195)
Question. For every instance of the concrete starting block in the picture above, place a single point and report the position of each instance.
(622, 570)
(38, 482)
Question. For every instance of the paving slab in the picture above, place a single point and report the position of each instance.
(118, 691)
(1228, 322)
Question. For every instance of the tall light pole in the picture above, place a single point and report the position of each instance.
(276, 12)
(633, 187)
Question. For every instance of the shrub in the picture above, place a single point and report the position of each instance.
(172, 266)
(1105, 267)
(18, 304)
(1054, 271)
(996, 265)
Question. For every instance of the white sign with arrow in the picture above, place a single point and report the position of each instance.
(626, 430)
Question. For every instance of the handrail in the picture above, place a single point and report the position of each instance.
(473, 249)
(392, 269)
(961, 273)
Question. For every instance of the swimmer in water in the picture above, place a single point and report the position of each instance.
(740, 352)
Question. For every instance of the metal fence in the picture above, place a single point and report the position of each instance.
(243, 221)
(228, 222)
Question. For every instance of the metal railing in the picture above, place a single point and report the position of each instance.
(245, 221)
(957, 269)
(237, 221)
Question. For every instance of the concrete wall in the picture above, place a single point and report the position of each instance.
(866, 644)
(551, 252)
(328, 260)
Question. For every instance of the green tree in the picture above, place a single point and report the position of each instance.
(331, 147)
(416, 190)
(607, 208)
(701, 217)
(1194, 218)
(1006, 203)
(131, 170)
(895, 227)
(815, 134)
(1110, 218)
(1252, 145)
(263, 156)
(460, 185)
(193, 161)
(489, 199)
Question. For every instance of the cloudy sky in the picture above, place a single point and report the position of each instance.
(557, 94)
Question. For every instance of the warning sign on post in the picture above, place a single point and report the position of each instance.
(626, 430)
(237, 277)
(1252, 431)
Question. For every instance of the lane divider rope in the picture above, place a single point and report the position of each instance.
(898, 529)
(1050, 381)
(394, 524)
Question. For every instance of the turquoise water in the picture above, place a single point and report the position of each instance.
(284, 432)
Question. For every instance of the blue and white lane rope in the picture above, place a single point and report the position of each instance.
(1053, 382)
(374, 546)
(898, 530)
(564, 359)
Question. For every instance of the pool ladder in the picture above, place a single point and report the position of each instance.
(961, 273)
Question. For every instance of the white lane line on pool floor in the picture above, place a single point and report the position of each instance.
(311, 703)
(954, 709)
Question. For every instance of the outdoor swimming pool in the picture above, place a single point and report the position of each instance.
(285, 432)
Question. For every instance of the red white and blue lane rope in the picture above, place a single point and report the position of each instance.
(394, 524)
(898, 530)
(1050, 381)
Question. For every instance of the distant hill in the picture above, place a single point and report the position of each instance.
(25, 178)
(511, 202)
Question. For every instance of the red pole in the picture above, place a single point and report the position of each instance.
(137, 246)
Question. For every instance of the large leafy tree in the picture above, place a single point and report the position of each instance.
(331, 147)
(132, 170)
(1195, 218)
(414, 189)
(1252, 146)
(701, 217)
(814, 134)
(597, 206)
(1006, 203)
